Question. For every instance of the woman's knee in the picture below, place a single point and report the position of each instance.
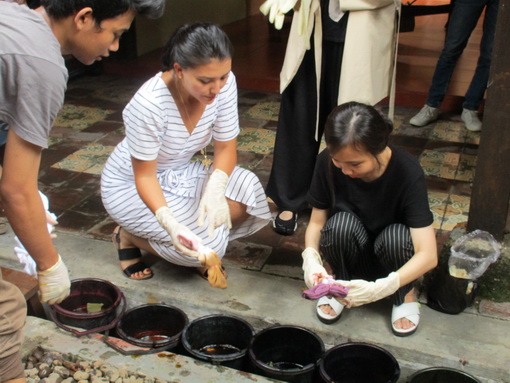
(342, 226)
(343, 233)
(238, 212)
(394, 246)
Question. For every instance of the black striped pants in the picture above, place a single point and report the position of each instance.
(346, 246)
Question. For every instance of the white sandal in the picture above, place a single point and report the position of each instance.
(409, 311)
(335, 305)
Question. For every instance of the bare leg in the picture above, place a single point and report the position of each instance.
(127, 240)
(404, 323)
(285, 215)
(238, 212)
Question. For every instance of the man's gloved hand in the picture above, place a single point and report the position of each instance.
(54, 283)
(312, 266)
(183, 239)
(277, 10)
(362, 292)
(214, 202)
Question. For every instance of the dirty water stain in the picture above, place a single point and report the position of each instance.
(152, 299)
(168, 356)
(238, 306)
(108, 354)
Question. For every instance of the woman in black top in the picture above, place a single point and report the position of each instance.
(370, 219)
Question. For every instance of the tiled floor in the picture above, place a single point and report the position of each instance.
(90, 125)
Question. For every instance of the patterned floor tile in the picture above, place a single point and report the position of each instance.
(89, 159)
(398, 119)
(466, 170)
(456, 211)
(111, 88)
(80, 117)
(260, 141)
(446, 151)
(440, 164)
(265, 110)
(473, 138)
(451, 131)
(438, 202)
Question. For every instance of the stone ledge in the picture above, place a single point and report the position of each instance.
(499, 310)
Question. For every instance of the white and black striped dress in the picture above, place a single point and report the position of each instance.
(155, 130)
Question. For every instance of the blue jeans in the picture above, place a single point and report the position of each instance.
(463, 20)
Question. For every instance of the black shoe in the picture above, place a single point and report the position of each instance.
(287, 227)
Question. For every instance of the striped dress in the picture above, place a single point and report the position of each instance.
(155, 130)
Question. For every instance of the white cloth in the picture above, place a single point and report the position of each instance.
(154, 130)
(29, 265)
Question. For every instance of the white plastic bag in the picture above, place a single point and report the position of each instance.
(472, 254)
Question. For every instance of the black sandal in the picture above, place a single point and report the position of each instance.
(286, 227)
(128, 254)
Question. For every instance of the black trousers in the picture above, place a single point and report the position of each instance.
(296, 148)
(350, 251)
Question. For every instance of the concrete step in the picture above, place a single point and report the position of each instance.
(474, 343)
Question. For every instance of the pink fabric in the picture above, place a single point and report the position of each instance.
(322, 289)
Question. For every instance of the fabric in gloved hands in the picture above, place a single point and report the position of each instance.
(328, 287)
(54, 283)
(212, 262)
(277, 10)
(362, 292)
(183, 239)
(214, 202)
(312, 266)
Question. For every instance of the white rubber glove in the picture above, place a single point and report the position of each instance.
(313, 268)
(183, 239)
(362, 292)
(54, 283)
(277, 10)
(214, 202)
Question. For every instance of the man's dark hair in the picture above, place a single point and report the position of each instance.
(103, 9)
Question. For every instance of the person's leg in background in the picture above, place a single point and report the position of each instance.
(295, 146)
(463, 20)
(297, 143)
(476, 91)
